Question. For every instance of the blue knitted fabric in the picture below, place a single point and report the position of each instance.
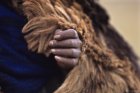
(21, 71)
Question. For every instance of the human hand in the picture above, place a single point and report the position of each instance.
(66, 48)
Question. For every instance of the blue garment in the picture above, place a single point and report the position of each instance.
(21, 71)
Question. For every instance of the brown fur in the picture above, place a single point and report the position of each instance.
(99, 69)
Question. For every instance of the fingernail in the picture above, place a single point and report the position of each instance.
(57, 36)
(53, 50)
(51, 43)
(57, 57)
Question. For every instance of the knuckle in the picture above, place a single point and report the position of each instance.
(79, 43)
(75, 53)
(74, 32)
(74, 62)
(72, 43)
(75, 43)
(78, 53)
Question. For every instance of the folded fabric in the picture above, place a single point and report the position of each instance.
(21, 71)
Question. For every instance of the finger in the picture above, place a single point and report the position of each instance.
(66, 63)
(69, 43)
(66, 34)
(71, 53)
(58, 31)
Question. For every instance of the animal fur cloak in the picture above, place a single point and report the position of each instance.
(103, 66)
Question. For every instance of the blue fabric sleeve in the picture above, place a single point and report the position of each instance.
(21, 71)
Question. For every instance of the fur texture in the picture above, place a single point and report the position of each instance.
(101, 68)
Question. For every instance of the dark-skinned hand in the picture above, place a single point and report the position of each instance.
(66, 48)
